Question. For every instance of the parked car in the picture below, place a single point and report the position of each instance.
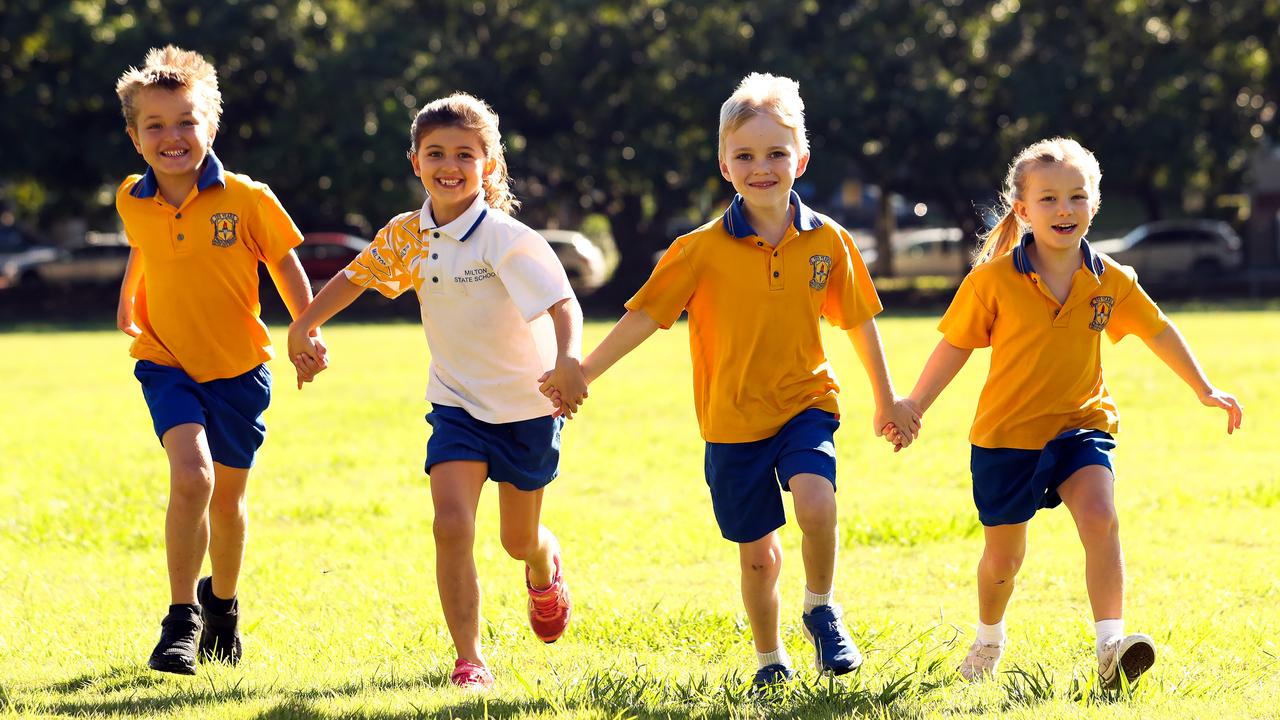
(1177, 249)
(98, 264)
(929, 251)
(583, 261)
(323, 254)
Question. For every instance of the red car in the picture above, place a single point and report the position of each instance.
(323, 254)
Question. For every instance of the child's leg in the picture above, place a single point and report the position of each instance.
(1088, 493)
(761, 562)
(455, 494)
(186, 527)
(523, 536)
(815, 506)
(1006, 545)
(228, 519)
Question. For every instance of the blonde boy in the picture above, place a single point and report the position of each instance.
(755, 282)
(190, 300)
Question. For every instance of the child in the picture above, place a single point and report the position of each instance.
(190, 300)
(498, 311)
(755, 283)
(1043, 431)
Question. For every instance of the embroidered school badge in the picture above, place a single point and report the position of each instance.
(821, 271)
(224, 229)
(1102, 307)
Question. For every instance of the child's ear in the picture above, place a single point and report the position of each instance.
(490, 166)
(724, 170)
(413, 160)
(133, 137)
(803, 165)
(1020, 210)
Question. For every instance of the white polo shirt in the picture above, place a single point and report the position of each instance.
(485, 282)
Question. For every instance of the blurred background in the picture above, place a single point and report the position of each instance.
(609, 115)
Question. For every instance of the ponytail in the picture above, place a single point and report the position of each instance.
(1000, 239)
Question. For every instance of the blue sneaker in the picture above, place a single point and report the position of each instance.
(833, 649)
(770, 677)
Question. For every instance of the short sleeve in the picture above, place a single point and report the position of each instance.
(273, 230)
(1135, 313)
(851, 296)
(532, 274)
(122, 193)
(968, 321)
(666, 293)
(380, 266)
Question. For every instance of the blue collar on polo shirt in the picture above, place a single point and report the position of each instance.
(1022, 261)
(735, 218)
(460, 227)
(212, 174)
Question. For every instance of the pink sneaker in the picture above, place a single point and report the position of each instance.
(470, 676)
(549, 609)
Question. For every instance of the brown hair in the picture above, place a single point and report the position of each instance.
(1001, 238)
(172, 68)
(464, 111)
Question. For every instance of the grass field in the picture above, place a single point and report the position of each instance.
(339, 598)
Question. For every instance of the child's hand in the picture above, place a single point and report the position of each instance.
(565, 385)
(308, 354)
(1235, 412)
(900, 423)
(124, 318)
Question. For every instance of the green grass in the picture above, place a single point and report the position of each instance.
(340, 605)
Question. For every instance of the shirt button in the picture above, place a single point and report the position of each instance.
(181, 236)
(1055, 313)
(435, 279)
(759, 244)
(434, 256)
(775, 273)
(178, 216)
(435, 235)
(775, 253)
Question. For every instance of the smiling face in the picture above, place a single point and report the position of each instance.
(173, 134)
(452, 163)
(762, 159)
(1056, 204)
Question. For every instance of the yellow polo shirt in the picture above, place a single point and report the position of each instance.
(1046, 364)
(754, 332)
(197, 304)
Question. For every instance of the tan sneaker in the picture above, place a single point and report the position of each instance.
(1135, 654)
(981, 662)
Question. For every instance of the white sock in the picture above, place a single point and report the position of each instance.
(991, 634)
(813, 599)
(1107, 629)
(776, 657)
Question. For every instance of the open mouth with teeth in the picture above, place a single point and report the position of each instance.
(175, 153)
(1065, 228)
(449, 182)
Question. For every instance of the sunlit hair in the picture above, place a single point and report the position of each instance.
(1001, 238)
(461, 110)
(172, 68)
(762, 94)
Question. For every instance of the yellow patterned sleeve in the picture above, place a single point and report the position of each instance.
(383, 265)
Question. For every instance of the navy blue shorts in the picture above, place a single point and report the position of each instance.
(1010, 485)
(525, 453)
(230, 409)
(745, 477)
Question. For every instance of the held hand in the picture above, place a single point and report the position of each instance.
(905, 418)
(891, 434)
(565, 386)
(1235, 412)
(124, 319)
(308, 355)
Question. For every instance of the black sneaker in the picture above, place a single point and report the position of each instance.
(220, 638)
(179, 633)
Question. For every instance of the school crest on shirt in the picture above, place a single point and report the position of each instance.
(1102, 307)
(821, 271)
(224, 228)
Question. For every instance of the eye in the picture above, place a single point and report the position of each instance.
(435, 154)
(188, 123)
(742, 156)
(465, 155)
(1048, 198)
(1078, 196)
(778, 154)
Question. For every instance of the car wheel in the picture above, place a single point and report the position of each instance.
(30, 278)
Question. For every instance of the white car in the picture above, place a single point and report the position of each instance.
(1177, 249)
(583, 261)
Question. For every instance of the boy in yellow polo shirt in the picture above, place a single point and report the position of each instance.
(190, 300)
(755, 283)
(1043, 431)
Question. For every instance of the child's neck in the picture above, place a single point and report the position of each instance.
(1056, 267)
(444, 212)
(770, 223)
(175, 189)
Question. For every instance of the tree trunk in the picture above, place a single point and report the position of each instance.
(885, 229)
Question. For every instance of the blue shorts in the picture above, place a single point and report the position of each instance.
(525, 453)
(745, 477)
(230, 409)
(1010, 485)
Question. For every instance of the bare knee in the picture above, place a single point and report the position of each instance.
(764, 561)
(226, 509)
(817, 520)
(191, 481)
(1097, 520)
(1001, 565)
(452, 528)
(520, 545)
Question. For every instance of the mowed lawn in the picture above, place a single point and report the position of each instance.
(339, 598)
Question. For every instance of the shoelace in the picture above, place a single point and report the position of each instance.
(546, 605)
(470, 674)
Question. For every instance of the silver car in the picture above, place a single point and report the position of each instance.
(583, 262)
(1177, 249)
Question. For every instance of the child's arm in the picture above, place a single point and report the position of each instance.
(634, 328)
(295, 290)
(567, 376)
(890, 409)
(938, 372)
(1172, 348)
(129, 288)
(336, 295)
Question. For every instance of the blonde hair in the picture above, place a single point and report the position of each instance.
(464, 111)
(172, 68)
(1001, 238)
(763, 94)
